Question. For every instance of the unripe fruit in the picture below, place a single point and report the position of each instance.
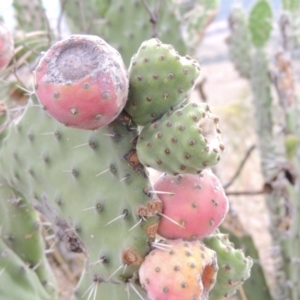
(82, 82)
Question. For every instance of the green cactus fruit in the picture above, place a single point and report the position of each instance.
(193, 205)
(159, 80)
(234, 267)
(260, 22)
(17, 281)
(82, 82)
(240, 45)
(89, 185)
(179, 270)
(21, 232)
(183, 141)
(6, 47)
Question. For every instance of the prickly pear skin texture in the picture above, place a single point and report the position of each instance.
(6, 47)
(160, 79)
(18, 281)
(186, 140)
(89, 185)
(234, 267)
(179, 270)
(82, 82)
(196, 202)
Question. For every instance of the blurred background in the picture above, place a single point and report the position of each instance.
(249, 56)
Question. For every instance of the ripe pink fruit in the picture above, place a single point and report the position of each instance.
(197, 203)
(82, 82)
(179, 270)
(6, 47)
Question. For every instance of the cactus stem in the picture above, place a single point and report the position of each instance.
(171, 220)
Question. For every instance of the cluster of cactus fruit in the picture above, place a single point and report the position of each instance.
(79, 156)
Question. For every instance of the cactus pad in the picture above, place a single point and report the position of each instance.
(160, 79)
(183, 141)
(234, 267)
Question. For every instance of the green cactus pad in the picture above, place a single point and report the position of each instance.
(21, 232)
(91, 186)
(159, 80)
(125, 25)
(17, 281)
(183, 141)
(260, 22)
(234, 267)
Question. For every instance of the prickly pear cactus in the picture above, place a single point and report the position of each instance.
(126, 25)
(86, 217)
(186, 140)
(239, 42)
(160, 79)
(260, 22)
(234, 267)
(20, 230)
(18, 281)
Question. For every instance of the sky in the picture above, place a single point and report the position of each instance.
(52, 7)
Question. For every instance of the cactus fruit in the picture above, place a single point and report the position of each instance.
(193, 205)
(82, 82)
(179, 270)
(234, 267)
(6, 47)
(183, 141)
(159, 79)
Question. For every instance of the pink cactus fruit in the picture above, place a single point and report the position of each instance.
(179, 270)
(193, 205)
(82, 82)
(6, 47)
